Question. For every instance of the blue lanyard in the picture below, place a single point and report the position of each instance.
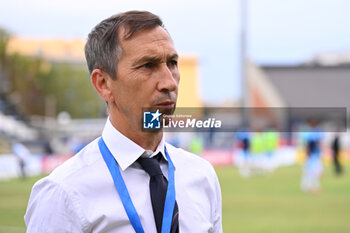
(124, 194)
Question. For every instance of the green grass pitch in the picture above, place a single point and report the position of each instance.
(268, 203)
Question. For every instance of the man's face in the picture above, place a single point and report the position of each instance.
(147, 75)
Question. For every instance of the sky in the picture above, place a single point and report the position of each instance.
(279, 32)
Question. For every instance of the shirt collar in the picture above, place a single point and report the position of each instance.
(124, 150)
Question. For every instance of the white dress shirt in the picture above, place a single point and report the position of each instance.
(80, 196)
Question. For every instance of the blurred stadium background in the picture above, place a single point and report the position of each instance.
(49, 111)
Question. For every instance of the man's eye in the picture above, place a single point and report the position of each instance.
(172, 63)
(147, 65)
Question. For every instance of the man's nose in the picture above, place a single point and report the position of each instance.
(168, 80)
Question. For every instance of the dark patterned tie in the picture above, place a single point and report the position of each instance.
(158, 186)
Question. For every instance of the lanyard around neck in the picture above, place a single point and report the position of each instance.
(125, 196)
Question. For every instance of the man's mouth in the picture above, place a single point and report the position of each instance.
(166, 104)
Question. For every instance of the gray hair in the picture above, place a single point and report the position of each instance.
(103, 50)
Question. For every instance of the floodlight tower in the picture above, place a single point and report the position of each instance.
(243, 61)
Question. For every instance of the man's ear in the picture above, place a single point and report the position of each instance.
(101, 82)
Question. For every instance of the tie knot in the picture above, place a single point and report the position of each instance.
(151, 165)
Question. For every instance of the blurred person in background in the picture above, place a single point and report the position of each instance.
(125, 181)
(313, 168)
(243, 155)
(22, 154)
(196, 145)
(258, 152)
(336, 146)
(271, 138)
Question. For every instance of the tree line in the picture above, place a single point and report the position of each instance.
(41, 87)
